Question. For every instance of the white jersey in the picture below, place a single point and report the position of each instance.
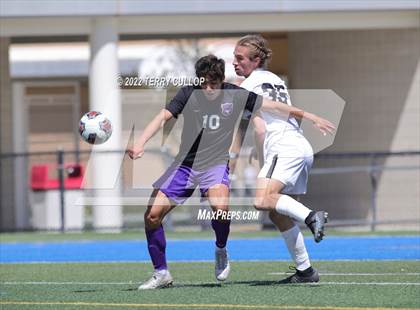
(288, 155)
(269, 85)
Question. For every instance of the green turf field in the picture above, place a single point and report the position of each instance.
(252, 285)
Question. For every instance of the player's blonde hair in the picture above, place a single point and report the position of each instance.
(258, 47)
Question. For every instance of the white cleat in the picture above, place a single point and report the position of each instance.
(222, 266)
(160, 279)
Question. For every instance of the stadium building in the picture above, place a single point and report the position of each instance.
(58, 59)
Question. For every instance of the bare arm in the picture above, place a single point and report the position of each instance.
(236, 146)
(234, 151)
(259, 136)
(151, 129)
(285, 110)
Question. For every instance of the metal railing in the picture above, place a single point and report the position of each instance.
(373, 169)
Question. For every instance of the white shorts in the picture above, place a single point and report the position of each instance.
(288, 161)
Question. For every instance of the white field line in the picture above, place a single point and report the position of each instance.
(189, 306)
(63, 283)
(369, 283)
(198, 283)
(355, 274)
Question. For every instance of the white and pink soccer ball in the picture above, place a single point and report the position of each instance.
(95, 127)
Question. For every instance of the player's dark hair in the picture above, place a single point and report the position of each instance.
(210, 67)
(258, 47)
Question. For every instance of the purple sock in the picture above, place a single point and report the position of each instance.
(156, 243)
(221, 228)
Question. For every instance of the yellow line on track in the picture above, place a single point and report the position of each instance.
(195, 306)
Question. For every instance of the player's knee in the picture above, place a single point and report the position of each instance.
(264, 203)
(259, 203)
(152, 221)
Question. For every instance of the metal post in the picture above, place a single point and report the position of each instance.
(60, 167)
(374, 182)
(76, 117)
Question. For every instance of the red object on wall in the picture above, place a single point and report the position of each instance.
(40, 177)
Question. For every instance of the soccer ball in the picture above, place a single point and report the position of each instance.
(95, 127)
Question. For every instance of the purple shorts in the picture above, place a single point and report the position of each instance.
(179, 182)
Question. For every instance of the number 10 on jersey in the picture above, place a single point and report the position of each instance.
(211, 121)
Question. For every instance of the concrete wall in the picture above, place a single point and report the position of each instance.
(377, 73)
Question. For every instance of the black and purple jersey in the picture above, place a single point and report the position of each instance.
(209, 125)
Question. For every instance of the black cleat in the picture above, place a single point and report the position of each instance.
(316, 223)
(309, 275)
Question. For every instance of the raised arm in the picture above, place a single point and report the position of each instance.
(284, 110)
(151, 129)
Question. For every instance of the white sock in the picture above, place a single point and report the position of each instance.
(162, 271)
(294, 241)
(288, 206)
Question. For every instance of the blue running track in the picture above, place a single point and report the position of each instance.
(332, 248)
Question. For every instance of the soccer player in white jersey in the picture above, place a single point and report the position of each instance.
(288, 156)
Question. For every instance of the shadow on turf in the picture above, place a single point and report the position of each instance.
(250, 283)
(130, 289)
(198, 285)
(211, 285)
(180, 286)
(86, 291)
(95, 291)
